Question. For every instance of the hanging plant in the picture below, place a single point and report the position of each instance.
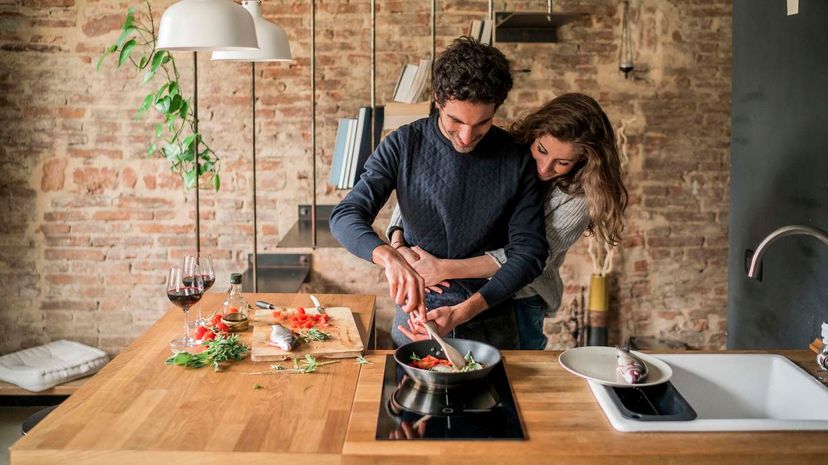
(176, 131)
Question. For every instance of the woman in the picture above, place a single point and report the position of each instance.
(573, 144)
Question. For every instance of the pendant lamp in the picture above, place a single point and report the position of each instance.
(273, 46)
(272, 39)
(206, 25)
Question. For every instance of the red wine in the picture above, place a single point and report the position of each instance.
(205, 278)
(185, 296)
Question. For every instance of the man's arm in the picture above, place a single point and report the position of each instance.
(351, 224)
(527, 248)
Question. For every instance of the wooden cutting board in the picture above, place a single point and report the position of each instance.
(344, 342)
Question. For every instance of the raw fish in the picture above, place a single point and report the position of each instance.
(629, 366)
(281, 337)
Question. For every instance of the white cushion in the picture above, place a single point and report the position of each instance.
(42, 367)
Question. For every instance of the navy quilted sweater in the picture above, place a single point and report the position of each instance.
(454, 205)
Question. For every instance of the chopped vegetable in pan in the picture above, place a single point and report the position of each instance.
(430, 362)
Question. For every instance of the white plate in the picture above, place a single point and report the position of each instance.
(598, 363)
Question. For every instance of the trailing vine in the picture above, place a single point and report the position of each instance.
(176, 131)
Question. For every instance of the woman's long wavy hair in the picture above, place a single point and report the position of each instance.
(578, 119)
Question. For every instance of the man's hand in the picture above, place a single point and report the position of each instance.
(405, 286)
(430, 268)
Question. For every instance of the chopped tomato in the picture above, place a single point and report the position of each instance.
(216, 319)
(429, 361)
(208, 336)
(199, 333)
(233, 310)
(222, 326)
(300, 310)
(277, 314)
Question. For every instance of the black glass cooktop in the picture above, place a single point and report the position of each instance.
(483, 410)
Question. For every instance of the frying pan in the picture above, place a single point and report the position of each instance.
(486, 355)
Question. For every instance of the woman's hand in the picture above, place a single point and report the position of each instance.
(430, 268)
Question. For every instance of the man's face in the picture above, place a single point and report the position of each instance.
(465, 123)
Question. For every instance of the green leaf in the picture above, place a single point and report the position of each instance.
(184, 111)
(145, 105)
(216, 182)
(106, 52)
(159, 129)
(125, 33)
(125, 51)
(148, 77)
(188, 141)
(173, 88)
(143, 62)
(151, 150)
(175, 105)
(189, 178)
(157, 59)
(130, 18)
(163, 105)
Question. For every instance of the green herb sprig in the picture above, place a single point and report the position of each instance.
(222, 349)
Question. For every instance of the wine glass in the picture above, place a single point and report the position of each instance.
(184, 295)
(203, 266)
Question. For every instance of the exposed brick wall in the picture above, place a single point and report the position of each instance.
(90, 225)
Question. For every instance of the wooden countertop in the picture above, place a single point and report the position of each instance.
(137, 411)
(564, 424)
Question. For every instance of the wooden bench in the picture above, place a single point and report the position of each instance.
(13, 395)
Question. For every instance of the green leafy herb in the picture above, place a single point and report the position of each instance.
(222, 349)
(471, 363)
(362, 361)
(415, 357)
(313, 334)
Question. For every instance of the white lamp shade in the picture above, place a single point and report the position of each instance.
(273, 41)
(206, 25)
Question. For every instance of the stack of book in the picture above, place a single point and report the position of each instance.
(412, 82)
(353, 147)
(481, 31)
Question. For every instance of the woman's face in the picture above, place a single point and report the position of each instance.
(553, 157)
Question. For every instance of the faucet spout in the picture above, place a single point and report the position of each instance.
(790, 230)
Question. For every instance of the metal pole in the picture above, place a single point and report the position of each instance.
(313, 121)
(255, 217)
(433, 31)
(195, 128)
(373, 72)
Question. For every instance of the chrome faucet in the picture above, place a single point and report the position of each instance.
(790, 230)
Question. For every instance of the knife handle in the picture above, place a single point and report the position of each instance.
(265, 305)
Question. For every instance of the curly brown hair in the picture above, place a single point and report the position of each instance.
(470, 71)
(578, 119)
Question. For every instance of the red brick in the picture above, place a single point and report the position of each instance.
(74, 254)
(53, 175)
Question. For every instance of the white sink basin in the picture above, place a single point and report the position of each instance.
(735, 392)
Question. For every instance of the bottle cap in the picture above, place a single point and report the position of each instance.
(235, 278)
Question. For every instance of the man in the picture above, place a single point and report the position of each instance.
(463, 187)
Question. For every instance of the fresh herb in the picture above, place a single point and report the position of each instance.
(310, 365)
(415, 357)
(257, 387)
(313, 334)
(471, 363)
(222, 349)
(363, 361)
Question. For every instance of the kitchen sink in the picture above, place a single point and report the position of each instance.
(735, 392)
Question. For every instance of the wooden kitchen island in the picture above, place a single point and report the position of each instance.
(138, 411)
